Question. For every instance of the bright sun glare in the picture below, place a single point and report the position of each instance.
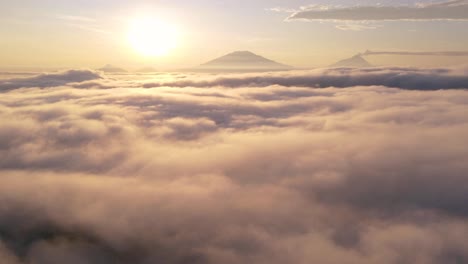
(151, 37)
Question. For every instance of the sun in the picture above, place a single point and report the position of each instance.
(151, 37)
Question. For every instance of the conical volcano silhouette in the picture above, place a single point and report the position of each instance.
(243, 61)
(356, 61)
(111, 69)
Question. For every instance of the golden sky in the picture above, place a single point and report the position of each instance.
(54, 34)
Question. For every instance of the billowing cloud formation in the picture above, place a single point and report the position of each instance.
(398, 77)
(259, 174)
(50, 80)
(449, 10)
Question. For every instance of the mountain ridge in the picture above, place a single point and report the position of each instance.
(108, 68)
(242, 61)
(357, 61)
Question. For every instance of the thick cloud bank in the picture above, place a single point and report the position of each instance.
(397, 77)
(50, 80)
(274, 171)
(448, 10)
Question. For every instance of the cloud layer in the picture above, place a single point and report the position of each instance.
(449, 10)
(50, 80)
(397, 77)
(269, 172)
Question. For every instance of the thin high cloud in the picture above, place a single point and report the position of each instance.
(76, 18)
(357, 26)
(417, 53)
(210, 174)
(449, 10)
(83, 23)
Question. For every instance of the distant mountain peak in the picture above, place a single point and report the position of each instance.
(357, 61)
(147, 69)
(242, 53)
(111, 69)
(242, 61)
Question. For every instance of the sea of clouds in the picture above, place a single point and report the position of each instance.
(324, 166)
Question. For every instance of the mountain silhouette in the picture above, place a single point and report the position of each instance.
(146, 70)
(356, 61)
(111, 69)
(242, 61)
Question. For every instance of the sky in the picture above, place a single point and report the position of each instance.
(56, 34)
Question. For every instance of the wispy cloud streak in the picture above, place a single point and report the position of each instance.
(450, 10)
(417, 53)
